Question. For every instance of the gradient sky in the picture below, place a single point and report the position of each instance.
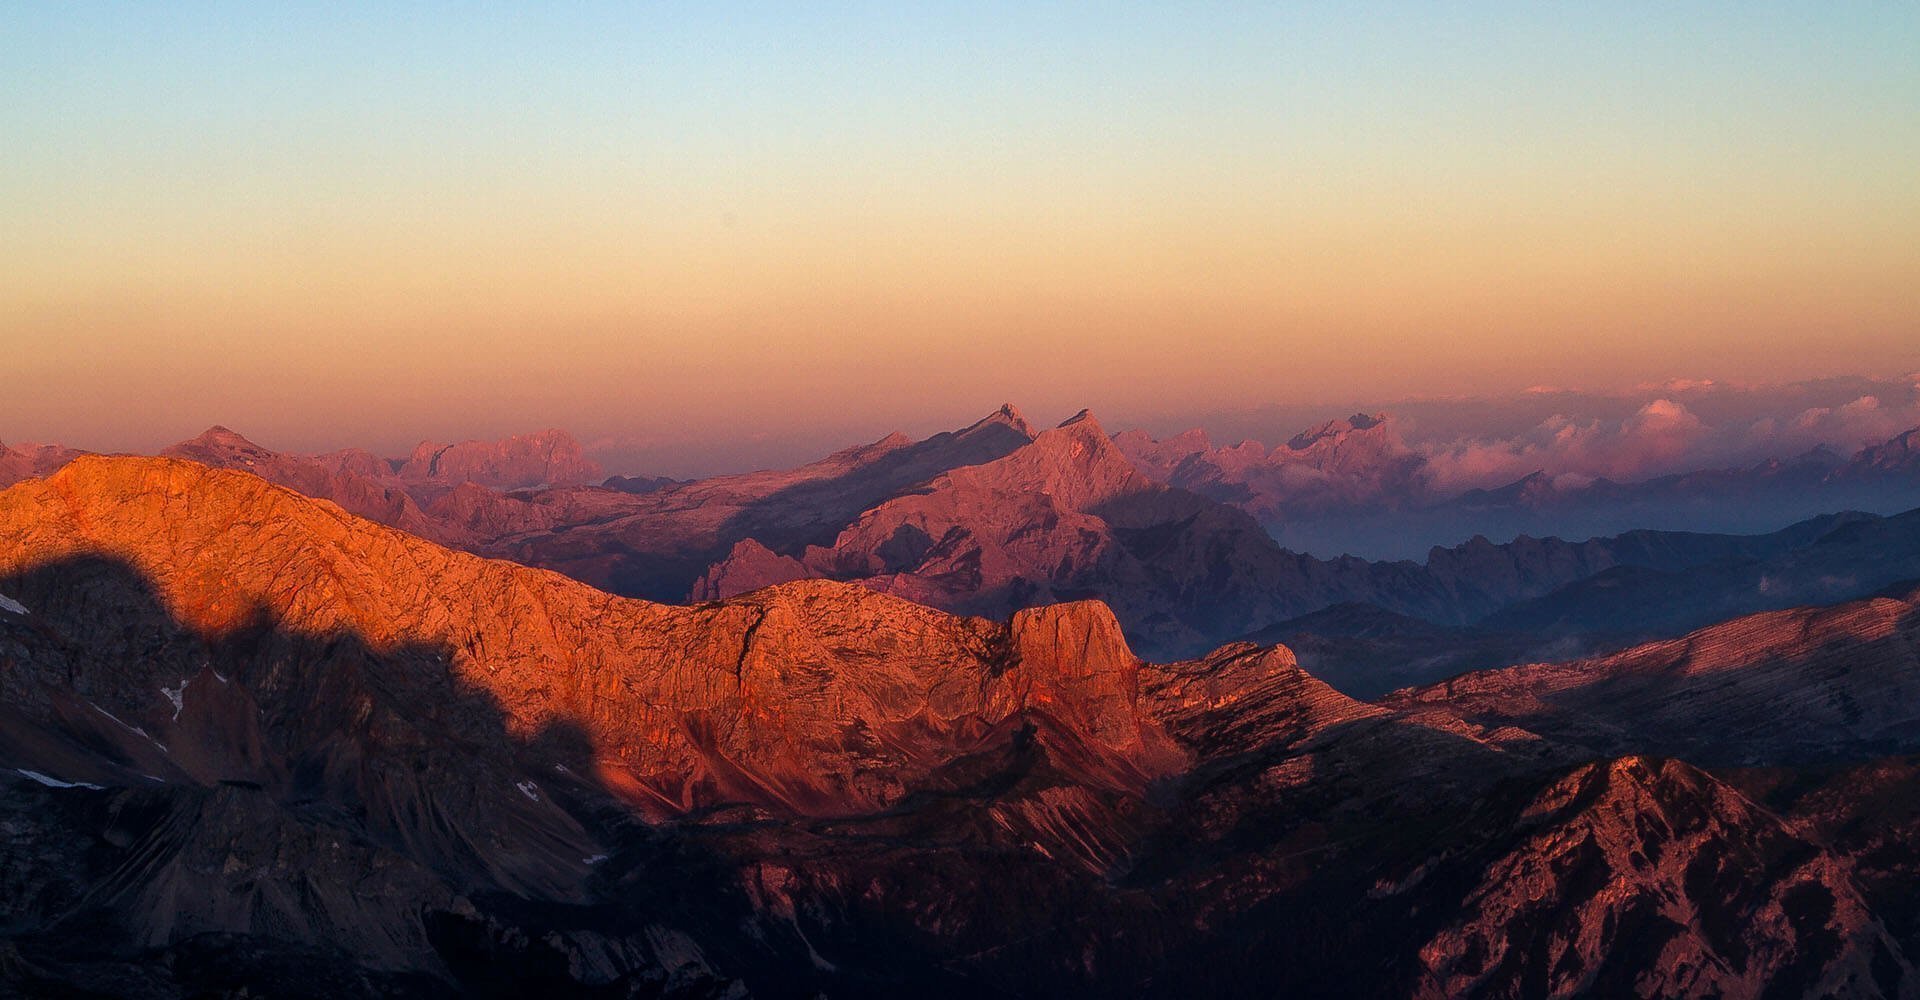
(681, 228)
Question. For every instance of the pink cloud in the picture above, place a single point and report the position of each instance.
(1662, 436)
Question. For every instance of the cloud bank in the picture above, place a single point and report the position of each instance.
(1687, 425)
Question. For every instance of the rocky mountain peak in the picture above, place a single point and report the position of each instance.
(215, 439)
(1085, 416)
(1006, 418)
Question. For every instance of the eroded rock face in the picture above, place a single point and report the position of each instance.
(1625, 879)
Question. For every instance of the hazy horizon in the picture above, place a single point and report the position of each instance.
(694, 226)
(1626, 433)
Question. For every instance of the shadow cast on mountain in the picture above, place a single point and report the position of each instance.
(320, 815)
(814, 511)
(315, 815)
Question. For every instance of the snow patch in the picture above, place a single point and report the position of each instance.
(596, 859)
(134, 729)
(9, 604)
(528, 789)
(52, 782)
(178, 696)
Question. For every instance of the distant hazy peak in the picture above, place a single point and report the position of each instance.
(220, 434)
(1006, 416)
(1334, 429)
(550, 457)
(1083, 417)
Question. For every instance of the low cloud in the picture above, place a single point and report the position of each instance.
(1662, 436)
(1679, 426)
(1866, 420)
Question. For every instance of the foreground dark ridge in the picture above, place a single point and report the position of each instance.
(251, 739)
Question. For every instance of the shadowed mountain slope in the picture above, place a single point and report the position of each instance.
(1800, 684)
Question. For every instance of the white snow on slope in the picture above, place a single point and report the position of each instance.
(52, 782)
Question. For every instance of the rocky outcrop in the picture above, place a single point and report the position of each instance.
(748, 566)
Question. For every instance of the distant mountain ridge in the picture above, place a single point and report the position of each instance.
(1355, 485)
(995, 517)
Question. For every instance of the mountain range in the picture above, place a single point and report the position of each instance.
(998, 516)
(253, 740)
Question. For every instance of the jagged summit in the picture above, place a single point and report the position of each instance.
(1085, 416)
(1006, 416)
(1334, 429)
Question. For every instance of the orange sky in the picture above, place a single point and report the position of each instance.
(381, 230)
